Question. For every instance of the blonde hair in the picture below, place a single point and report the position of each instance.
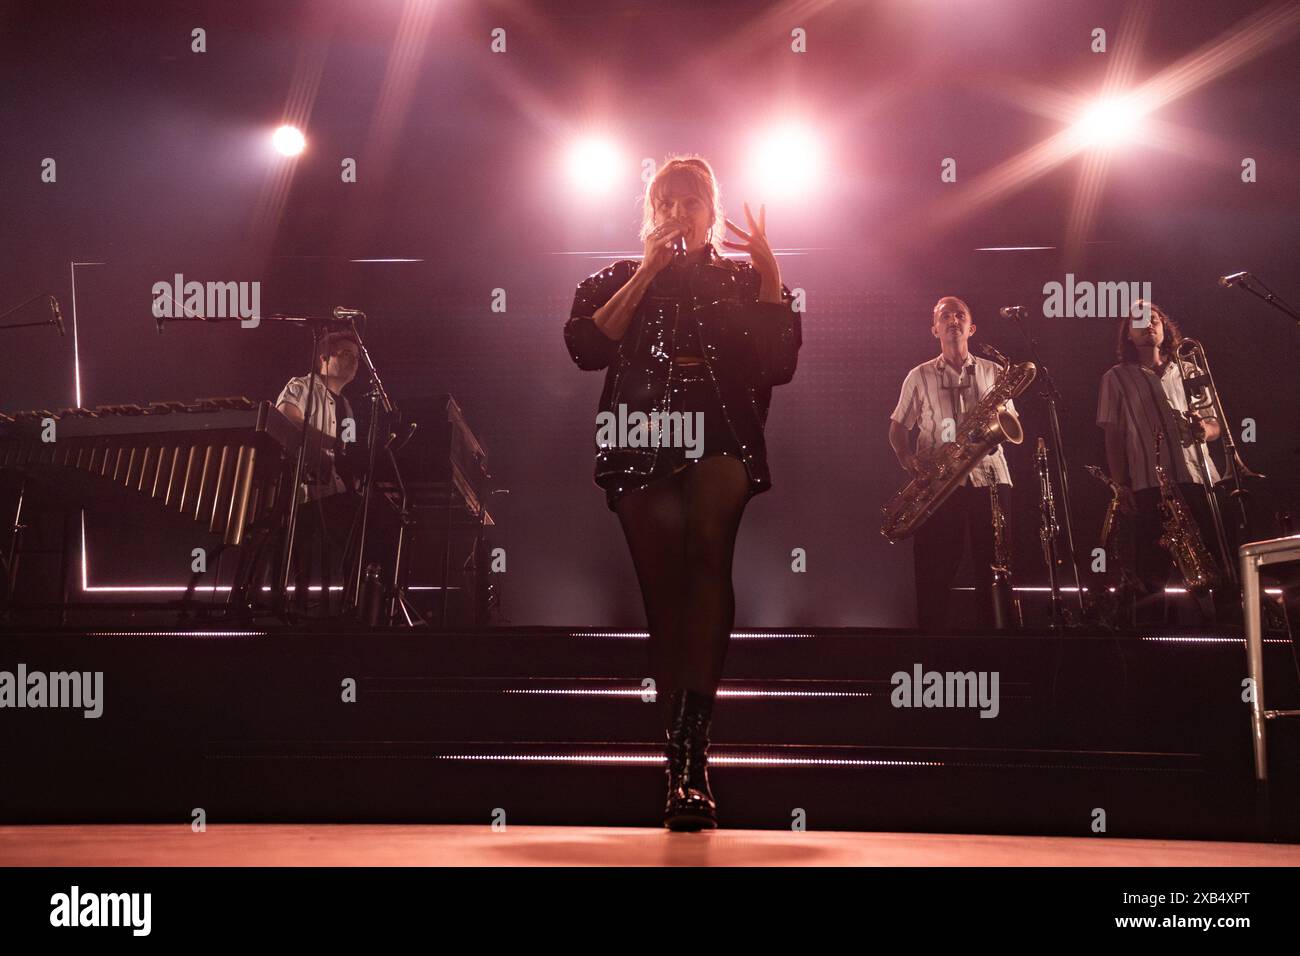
(697, 175)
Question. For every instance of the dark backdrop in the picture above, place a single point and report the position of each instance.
(162, 168)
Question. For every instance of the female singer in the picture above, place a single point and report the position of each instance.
(686, 330)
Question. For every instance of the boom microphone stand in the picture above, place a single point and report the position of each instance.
(1047, 531)
(1047, 389)
(281, 598)
(55, 319)
(379, 400)
(1243, 280)
(397, 595)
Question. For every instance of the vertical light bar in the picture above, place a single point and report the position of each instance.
(76, 378)
(76, 349)
(76, 361)
(85, 574)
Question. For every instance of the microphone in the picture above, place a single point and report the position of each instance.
(344, 314)
(1237, 278)
(989, 351)
(1013, 312)
(679, 248)
(58, 316)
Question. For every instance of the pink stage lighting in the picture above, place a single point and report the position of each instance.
(288, 140)
(786, 161)
(595, 165)
(1109, 122)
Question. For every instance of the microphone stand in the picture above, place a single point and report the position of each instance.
(1268, 296)
(1047, 531)
(281, 600)
(378, 399)
(397, 595)
(1047, 390)
(28, 325)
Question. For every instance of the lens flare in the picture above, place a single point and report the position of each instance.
(1109, 122)
(595, 165)
(786, 161)
(288, 140)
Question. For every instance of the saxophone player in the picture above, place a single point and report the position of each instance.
(935, 397)
(1143, 396)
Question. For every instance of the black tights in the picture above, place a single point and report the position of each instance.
(681, 531)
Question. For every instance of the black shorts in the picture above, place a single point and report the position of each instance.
(692, 391)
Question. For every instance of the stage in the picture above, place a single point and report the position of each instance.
(368, 845)
(1100, 736)
(483, 435)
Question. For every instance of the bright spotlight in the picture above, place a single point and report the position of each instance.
(786, 161)
(595, 165)
(1108, 122)
(288, 140)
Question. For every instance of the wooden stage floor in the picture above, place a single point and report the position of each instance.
(421, 845)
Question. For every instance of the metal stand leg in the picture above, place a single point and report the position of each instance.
(291, 524)
(1255, 662)
(11, 562)
(1251, 558)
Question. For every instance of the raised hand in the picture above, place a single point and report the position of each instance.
(760, 253)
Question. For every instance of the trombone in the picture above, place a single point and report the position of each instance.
(1203, 396)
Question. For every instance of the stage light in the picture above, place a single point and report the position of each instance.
(1109, 122)
(288, 140)
(786, 161)
(595, 164)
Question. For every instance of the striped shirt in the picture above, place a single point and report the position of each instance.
(935, 398)
(325, 416)
(1143, 404)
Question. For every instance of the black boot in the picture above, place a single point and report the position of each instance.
(690, 804)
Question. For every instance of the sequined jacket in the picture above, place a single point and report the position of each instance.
(749, 346)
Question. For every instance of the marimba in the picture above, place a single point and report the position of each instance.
(220, 461)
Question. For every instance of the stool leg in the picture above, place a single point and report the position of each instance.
(1254, 661)
(1263, 812)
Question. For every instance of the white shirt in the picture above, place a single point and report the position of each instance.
(325, 415)
(935, 395)
(1145, 404)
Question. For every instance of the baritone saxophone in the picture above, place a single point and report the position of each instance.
(979, 433)
(1182, 538)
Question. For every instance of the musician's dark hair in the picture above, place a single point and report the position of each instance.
(1126, 351)
(329, 342)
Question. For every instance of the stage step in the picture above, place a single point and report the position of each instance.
(758, 786)
(557, 727)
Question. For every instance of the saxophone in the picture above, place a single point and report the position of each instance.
(1182, 538)
(982, 429)
(1114, 537)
